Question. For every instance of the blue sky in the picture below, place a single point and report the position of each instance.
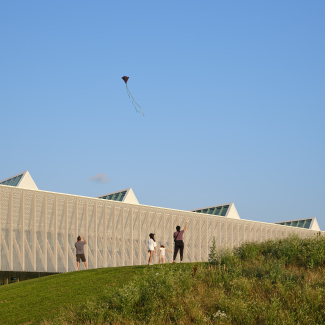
(232, 92)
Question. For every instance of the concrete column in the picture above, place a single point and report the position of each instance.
(55, 237)
(207, 237)
(11, 246)
(45, 233)
(163, 216)
(131, 234)
(192, 232)
(34, 232)
(231, 224)
(95, 236)
(113, 235)
(122, 236)
(22, 230)
(0, 230)
(200, 239)
(218, 240)
(76, 223)
(105, 235)
(140, 237)
(66, 235)
(86, 230)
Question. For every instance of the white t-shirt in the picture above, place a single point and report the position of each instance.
(162, 251)
(151, 244)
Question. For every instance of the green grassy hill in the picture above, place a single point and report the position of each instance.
(274, 282)
(32, 301)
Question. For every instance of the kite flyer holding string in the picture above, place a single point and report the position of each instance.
(179, 244)
(80, 254)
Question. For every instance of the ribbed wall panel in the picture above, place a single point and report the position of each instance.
(39, 230)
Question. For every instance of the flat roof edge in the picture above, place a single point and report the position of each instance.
(150, 206)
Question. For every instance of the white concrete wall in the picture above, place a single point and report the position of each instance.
(39, 229)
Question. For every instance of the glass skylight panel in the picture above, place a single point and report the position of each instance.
(217, 211)
(224, 210)
(301, 223)
(12, 181)
(17, 180)
(307, 223)
(119, 196)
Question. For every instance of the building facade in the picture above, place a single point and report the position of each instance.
(39, 229)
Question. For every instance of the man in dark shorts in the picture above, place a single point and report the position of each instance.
(80, 251)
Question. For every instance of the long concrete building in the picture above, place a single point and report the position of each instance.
(39, 228)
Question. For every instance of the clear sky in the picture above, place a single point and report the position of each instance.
(232, 92)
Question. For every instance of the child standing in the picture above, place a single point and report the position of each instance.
(162, 253)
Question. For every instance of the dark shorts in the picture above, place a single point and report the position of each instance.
(82, 257)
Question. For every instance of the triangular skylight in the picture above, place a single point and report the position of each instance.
(126, 196)
(23, 180)
(224, 210)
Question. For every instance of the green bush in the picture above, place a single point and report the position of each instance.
(293, 250)
(147, 299)
(274, 282)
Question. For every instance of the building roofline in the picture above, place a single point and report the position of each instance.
(147, 206)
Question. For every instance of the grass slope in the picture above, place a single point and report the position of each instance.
(268, 283)
(273, 282)
(32, 301)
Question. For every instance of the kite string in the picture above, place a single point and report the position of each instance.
(133, 98)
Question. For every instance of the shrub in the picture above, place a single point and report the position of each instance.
(293, 250)
(274, 282)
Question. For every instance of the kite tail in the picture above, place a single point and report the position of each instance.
(127, 90)
(133, 99)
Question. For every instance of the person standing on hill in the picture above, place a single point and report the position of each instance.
(179, 244)
(151, 247)
(162, 253)
(80, 254)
